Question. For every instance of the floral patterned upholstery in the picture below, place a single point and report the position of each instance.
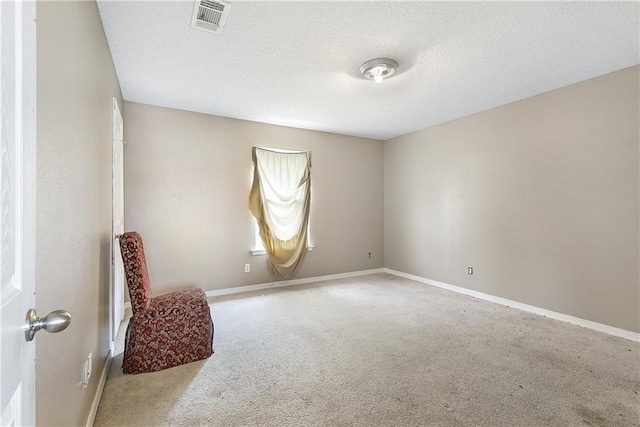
(166, 330)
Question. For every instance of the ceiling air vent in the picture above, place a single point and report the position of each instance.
(210, 15)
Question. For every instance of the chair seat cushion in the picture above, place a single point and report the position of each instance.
(176, 328)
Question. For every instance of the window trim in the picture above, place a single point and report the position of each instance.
(259, 252)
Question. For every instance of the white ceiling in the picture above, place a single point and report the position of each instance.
(297, 63)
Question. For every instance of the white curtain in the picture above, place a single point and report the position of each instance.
(279, 200)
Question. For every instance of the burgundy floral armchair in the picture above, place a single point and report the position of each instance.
(166, 330)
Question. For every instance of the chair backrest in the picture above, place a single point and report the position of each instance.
(135, 270)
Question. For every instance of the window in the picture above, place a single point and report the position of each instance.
(258, 247)
(279, 201)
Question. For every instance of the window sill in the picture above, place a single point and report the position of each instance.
(258, 252)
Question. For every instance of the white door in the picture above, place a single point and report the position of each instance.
(117, 269)
(17, 209)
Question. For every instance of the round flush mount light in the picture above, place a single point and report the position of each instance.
(378, 69)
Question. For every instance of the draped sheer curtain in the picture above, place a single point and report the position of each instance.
(279, 200)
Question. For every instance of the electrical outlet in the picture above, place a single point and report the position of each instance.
(87, 367)
(469, 270)
(247, 268)
(369, 254)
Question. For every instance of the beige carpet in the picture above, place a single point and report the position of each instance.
(383, 351)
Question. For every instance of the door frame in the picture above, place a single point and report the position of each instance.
(116, 312)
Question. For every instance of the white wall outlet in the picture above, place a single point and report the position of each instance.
(86, 371)
(469, 270)
(247, 268)
(369, 254)
(87, 367)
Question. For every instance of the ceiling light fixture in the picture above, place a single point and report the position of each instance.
(378, 69)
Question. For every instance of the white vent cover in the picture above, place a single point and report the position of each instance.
(209, 15)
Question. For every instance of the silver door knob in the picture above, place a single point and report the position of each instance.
(55, 321)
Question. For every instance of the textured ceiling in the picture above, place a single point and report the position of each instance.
(297, 63)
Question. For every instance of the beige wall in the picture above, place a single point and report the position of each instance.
(187, 181)
(539, 196)
(76, 83)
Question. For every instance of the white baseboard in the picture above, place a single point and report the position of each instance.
(622, 333)
(98, 396)
(283, 283)
(293, 282)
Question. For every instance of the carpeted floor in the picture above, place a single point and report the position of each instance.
(384, 351)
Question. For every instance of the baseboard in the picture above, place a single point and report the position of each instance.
(293, 282)
(617, 332)
(283, 283)
(98, 396)
(621, 333)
